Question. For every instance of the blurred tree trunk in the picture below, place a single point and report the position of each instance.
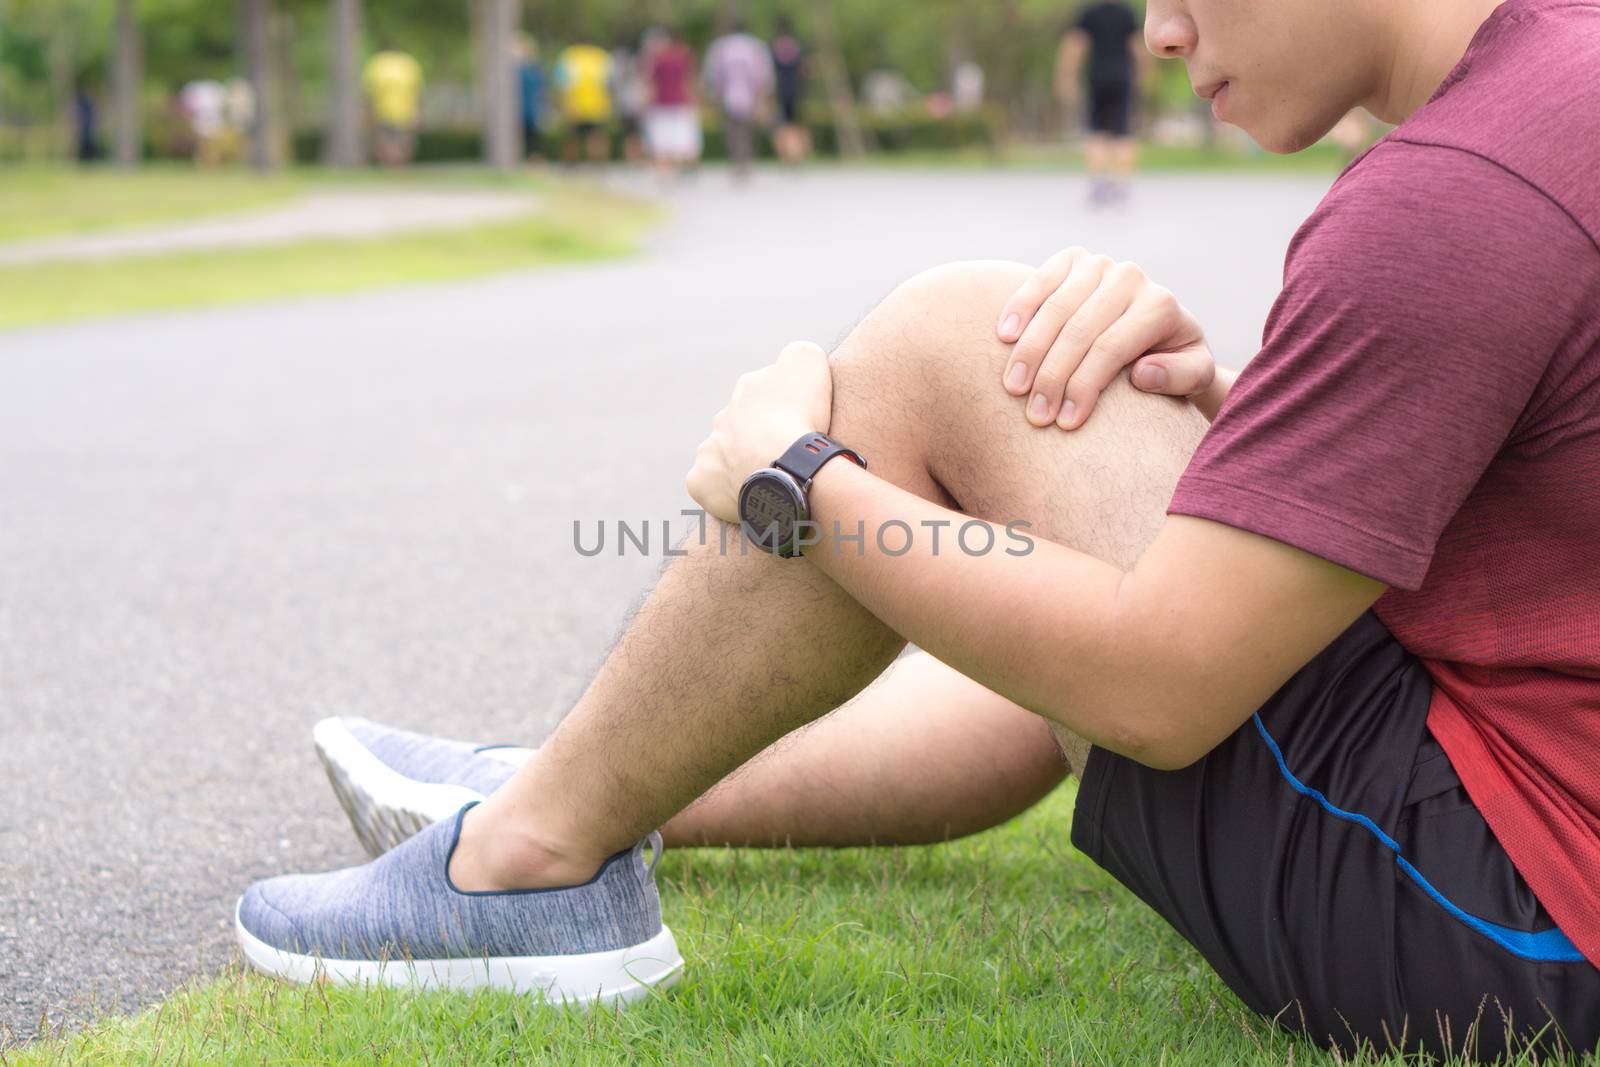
(958, 43)
(127, 77)
(59, 60)
(1004, 81)
(266, 140)
(342, 143)
(836, 79)
(285, 84)
(502, 132)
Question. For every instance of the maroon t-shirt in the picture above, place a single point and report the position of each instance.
(1426, 411)
(672, 75)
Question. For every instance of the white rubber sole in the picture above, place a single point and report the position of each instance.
(384, 806)
(620, 976)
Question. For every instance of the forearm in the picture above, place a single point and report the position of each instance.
(1034, 621)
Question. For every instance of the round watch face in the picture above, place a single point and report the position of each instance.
(770, 509)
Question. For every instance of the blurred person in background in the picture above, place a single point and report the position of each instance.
(83, 122)
(672, 120)
(239, 117)
(205, 103)
(583, 76)
(393, 82)
(886, 93)
(792, 139)
(966, 87)
(1107, 34)
(632, 95)
(171, 134)
(530, 97)
(740, 76)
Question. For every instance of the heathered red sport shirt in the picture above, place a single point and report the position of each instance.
(1426, 411)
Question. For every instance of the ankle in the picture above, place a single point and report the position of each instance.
(496, 853)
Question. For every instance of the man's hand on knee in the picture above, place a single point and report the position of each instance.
(1080, 320)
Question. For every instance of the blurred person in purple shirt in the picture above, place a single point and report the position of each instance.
(740, 76)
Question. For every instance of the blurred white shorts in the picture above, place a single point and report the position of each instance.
(673, 132)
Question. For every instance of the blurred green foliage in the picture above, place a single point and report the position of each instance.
(910, 131)
(45, 45)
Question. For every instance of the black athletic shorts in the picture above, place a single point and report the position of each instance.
(1111, 107)
(1327, 862)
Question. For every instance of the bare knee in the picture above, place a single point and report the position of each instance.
(949, 312)
(936, 337)
(969, 286)
(939, 331)
(931, 340)
(926, 368)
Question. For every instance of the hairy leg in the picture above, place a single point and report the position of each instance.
(924, 754)
(731, 652)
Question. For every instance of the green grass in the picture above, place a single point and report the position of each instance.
(1004, 948)
(575, 223)
(36, 201)
(579, 223)
(1319, 159)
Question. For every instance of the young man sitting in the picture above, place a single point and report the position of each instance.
(1329, 669)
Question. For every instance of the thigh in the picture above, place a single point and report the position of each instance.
(917, 388)
(1291, 858)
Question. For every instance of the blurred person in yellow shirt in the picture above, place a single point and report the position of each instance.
(583, 77)
(393, 82)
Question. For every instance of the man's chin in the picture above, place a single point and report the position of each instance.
(1286, 142)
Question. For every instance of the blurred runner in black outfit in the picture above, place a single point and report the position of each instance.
(1106, 33)
(792, 139)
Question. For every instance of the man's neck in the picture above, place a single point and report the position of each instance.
(1428, 41)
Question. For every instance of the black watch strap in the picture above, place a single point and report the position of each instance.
(806, 456)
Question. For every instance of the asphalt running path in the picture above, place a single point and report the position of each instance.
(218, 526)
(332, 215)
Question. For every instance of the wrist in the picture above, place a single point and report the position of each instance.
(828, 495)
(789, 434)
(774, 502)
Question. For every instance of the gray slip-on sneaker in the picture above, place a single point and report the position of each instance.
(400, 921)
(394, 783)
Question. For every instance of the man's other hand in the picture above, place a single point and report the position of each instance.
(771, 409)
(1080, 320)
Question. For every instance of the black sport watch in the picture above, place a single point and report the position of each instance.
(773, 502)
